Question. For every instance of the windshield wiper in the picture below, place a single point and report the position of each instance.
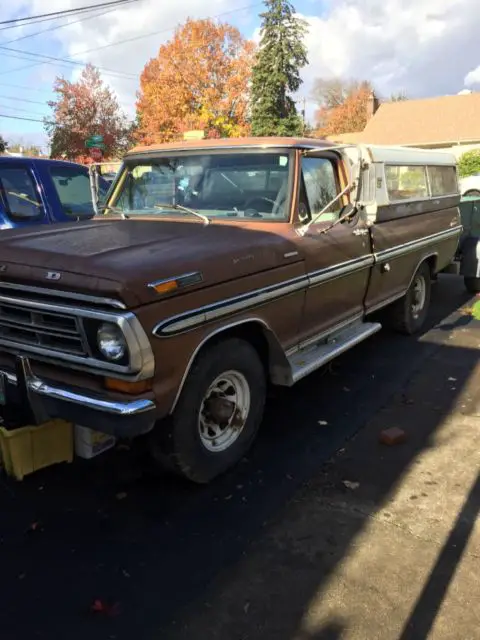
(180, 207)
(120, 212)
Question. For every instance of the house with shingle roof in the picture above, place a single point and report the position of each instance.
(445, 122)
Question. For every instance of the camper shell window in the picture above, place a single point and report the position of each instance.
(418, 182)
(443, 181)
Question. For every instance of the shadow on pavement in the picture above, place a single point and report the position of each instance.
(430, 600)
(147, 548)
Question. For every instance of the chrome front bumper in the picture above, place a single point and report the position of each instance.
(45, 401)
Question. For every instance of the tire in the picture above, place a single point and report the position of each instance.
(472, 285)
(182, 445)
(404, 316)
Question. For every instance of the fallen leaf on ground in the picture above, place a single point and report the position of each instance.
(322, 423)
(351, 485)
(121, 495)
(99, 606)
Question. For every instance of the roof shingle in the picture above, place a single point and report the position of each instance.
(445, 119)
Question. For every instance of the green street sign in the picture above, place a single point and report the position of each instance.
(91, 143)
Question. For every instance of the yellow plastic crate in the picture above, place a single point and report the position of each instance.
(29, 448)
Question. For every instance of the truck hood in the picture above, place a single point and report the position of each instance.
(118, 258)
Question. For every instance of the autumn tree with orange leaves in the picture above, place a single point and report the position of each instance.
(343, 106)
(82, 109)
(199, 80)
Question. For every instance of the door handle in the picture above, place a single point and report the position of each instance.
(360, 232)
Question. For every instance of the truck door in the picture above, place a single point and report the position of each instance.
(338, 257)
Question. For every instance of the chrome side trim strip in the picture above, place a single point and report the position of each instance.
(408, 247)
(122, 409)
(214, 311)
(69, 295)
(196, 317)
(337, 271)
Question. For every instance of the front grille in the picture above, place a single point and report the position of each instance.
(52, 331)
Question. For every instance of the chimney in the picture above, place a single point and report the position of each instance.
(372, 105)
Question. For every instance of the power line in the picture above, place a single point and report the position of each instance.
(22, 100)
(60, 14)
(27, 111)
(19, 86)
(125, 41)
(13, 53)
(44, 103)
(4, 115)
(166, 30)
(60, 26)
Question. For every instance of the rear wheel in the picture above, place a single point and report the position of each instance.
(218, 414)
(472, 285)
(408, 314)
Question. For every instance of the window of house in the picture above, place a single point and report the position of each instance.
(320, 187)
(20, 193)
(443, 180)
(406, 182)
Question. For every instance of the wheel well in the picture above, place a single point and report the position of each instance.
(263, 340)
(251, 332)
(432, 265)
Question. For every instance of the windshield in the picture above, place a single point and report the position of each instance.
(217, 185)
(72, 184)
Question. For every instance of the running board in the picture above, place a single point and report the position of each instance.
(304, 362)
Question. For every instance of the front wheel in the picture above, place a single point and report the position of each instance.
(218, 414)
(472, 285)
(408, 314)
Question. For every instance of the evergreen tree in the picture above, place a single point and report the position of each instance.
(276, 74)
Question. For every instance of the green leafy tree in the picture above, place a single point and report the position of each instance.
(469, 163)
(400, 96)
(276, 73)
(3, 144)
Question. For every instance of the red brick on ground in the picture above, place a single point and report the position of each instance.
(392, 436)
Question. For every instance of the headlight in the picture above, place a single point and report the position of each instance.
(111, 341)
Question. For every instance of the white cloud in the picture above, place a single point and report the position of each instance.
(423, 47)
(472, 77)
(128, 22)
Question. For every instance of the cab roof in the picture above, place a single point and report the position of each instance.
(230, 143)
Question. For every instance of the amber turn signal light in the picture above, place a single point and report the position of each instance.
(124, 386)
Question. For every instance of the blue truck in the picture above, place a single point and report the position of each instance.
(43, 191)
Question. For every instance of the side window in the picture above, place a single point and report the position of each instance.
(443, 181)
(20, 193)
(406, 182)
(319, 187)
(72, 185)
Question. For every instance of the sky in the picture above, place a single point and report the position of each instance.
(420, 47)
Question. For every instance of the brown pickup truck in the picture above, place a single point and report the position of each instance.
(218, 268)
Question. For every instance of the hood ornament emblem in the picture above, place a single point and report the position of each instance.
(53, 275)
